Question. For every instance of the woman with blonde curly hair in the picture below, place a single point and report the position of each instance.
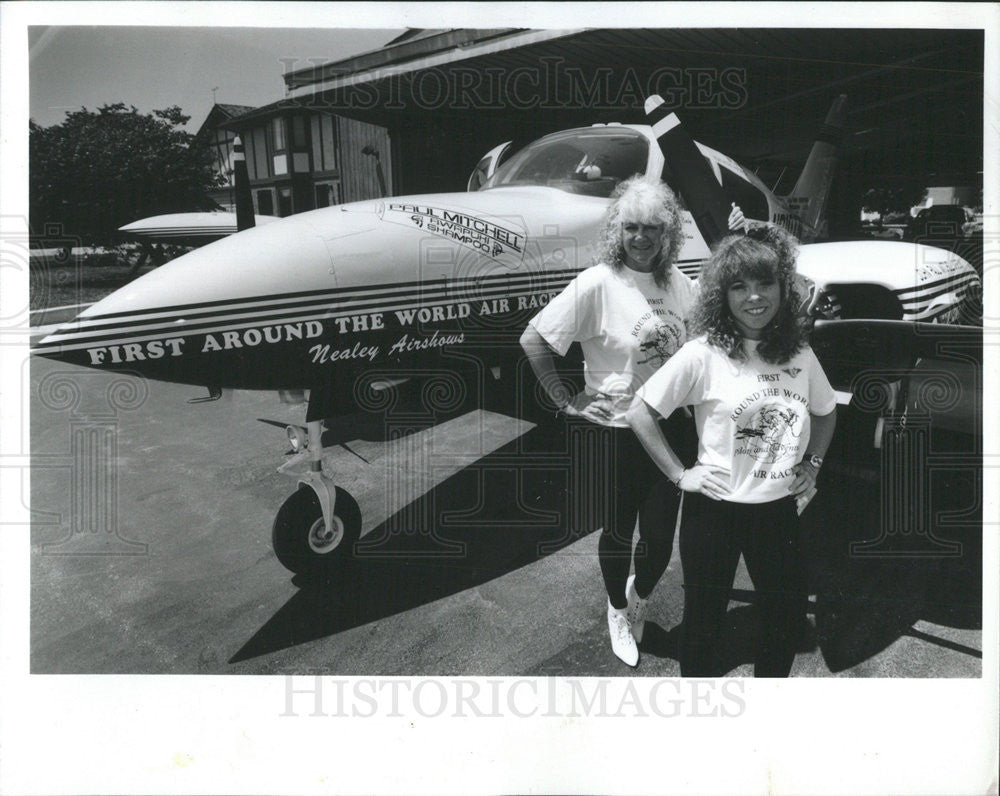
(628, 312)
(764, 412)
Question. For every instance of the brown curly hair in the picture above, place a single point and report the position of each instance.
(764, 252)
(646, 200)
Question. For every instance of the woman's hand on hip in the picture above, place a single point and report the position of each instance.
(712, 482)
(599, 410)
(805, 478)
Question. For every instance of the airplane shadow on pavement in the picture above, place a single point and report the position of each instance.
(510, 510)
(869, 589)
(869, 586)
(872, 588)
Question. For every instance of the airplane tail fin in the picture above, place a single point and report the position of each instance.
(808, 197)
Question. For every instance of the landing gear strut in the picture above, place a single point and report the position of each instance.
(315, 529)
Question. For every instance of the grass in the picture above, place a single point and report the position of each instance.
(83, 279)
(61, 286)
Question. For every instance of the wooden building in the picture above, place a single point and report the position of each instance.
(220, 141)
(300, 158)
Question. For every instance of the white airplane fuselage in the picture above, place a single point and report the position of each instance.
(397, 283)
(371, 284)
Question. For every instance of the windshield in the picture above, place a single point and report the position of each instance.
(589, 161)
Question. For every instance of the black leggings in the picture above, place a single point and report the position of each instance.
(713, 534)
(616, 479)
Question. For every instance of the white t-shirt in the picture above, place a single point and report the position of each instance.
(752, 417)
(626, 324)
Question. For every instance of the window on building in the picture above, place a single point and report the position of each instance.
(248, 151)
(327, 194)
(299, 132)
(259, 154)
(284, 202)
(265, 202)
(324, 149)
(278, 133)
(223, 154)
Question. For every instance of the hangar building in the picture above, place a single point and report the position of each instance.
(430, 103)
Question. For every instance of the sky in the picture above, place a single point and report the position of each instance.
(155, 67)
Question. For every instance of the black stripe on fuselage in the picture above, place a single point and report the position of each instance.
(333, 293)
(364, 300)
(948, 280)
(925, 298)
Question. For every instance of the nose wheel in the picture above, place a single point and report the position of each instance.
(322, 539)
(302, 541)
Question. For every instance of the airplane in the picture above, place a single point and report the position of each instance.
(182, 229)
(363, 296)
(198, 228)
(187, 229)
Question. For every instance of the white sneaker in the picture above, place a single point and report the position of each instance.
(636, 611)
(621, 635)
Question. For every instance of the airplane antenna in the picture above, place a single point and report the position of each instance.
(777, 181)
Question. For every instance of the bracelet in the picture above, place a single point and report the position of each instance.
(677, 483)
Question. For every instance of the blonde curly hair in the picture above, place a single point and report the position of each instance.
(647, 201)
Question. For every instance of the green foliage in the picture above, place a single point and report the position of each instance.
(100, 170)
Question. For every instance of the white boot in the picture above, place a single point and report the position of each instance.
(636, 611)
(621, 635)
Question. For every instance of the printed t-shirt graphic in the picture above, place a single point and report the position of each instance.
(626, 324)
(752, 417)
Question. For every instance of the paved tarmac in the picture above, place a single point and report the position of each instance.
(151, 552)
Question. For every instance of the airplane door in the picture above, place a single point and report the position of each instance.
(486, 166)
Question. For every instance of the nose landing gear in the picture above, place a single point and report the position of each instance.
(303, 541)
(316, 527)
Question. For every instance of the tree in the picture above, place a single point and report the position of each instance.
(893, 197)
(99, 170)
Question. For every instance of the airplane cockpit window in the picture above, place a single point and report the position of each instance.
(589, 161)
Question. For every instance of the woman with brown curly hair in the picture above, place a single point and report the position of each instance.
(764, 411)
(629, 314)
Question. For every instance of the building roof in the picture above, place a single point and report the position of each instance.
(232, 111)
(220, 113)
(920, 88)
(914, 95)
(411, 47)
(256, 114)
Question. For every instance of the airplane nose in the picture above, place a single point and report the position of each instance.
(244, 280)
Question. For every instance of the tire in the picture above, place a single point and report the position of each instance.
(298, 528)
